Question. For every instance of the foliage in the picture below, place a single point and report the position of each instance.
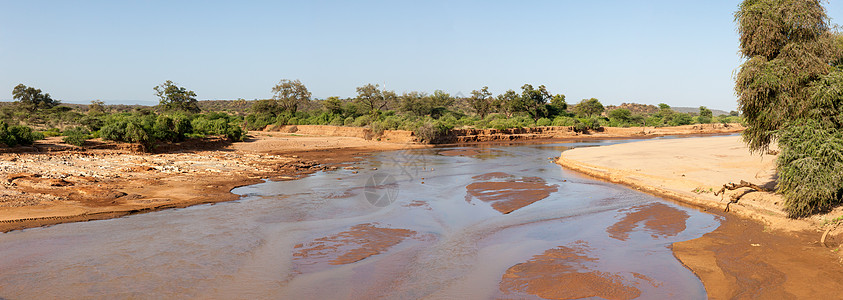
(810, 167)
(788, 45)
(31, 99)
(589, 107)
(175, 98)
(481, 101)
(76, 135)
(18, 135)
(289, 94)
(372, 98)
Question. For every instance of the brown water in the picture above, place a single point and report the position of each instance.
(474, 223)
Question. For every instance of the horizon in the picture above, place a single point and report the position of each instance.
(682, 54)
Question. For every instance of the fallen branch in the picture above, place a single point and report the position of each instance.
(734, 186)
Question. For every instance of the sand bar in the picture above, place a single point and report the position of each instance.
(757, 252)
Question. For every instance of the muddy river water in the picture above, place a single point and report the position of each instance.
(448, 223)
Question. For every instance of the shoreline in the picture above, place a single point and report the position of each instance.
(751, 254)
(66, 184)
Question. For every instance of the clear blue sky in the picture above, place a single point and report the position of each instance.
(679, 52)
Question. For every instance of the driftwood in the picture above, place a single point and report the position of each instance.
(734, 186)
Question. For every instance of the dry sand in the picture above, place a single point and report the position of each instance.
(762, 253)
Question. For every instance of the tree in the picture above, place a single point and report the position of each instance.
(705, 115)
(788, 45)
(558, 104)
(481, 101)
(663, 106)
(534, 100)
(289, 94)
(790, 90)
(373, 99)
(622, 115)
(589, 107)
(509, 102)
(31, 99)
(97, 107)
(333, 104)
(175, 98)
(416, 103)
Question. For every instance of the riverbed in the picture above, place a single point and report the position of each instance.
(478, 222)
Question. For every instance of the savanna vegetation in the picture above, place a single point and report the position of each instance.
(180, 116)
(790, 90)
(175, 119)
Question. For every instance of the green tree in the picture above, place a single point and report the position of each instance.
(333, 104)
(175, 98)
(290, 94)
(705, 115)
(663, 106)
(558, 104)
(509, 103)
(373, 99)
(31, 99)
(534, 100)
(589, 107)
(481, 101)
(416, 103)
(620, 116)
(788, 45)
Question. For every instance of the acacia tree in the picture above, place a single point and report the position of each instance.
(589, 107)
(790, 90)
(289, 94)
(176, 98)
(481, 101)
(371, 97)
(31, 99)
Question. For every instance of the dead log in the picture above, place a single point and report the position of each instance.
(734, 186)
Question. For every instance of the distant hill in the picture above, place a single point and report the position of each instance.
(696, 110)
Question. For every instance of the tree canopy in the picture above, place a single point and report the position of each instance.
(32, 99)
(790, 90)
(175, 98)
(290, 94)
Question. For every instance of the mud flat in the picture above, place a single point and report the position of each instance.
(757, 252)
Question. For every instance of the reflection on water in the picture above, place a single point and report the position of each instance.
(319, 237)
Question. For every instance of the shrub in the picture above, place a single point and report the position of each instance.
(18, 135)
(544, 122)
(76, 135)
(563, 121)
(430, 132)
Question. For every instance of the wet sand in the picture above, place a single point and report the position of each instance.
(509, 193)
(355, 244)
(757, 252)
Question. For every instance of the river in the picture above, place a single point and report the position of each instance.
(473, 222)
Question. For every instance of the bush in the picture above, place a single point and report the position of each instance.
(563, 121)
(810, 167)
(52, 132)
(585, 124)
(76, 135)
(544, 122)
(18, 135)
(430, 132)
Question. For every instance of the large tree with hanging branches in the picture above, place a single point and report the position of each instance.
(790, 89)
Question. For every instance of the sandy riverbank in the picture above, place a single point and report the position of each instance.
(56, 183)
(750, 256)
(70, 185)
